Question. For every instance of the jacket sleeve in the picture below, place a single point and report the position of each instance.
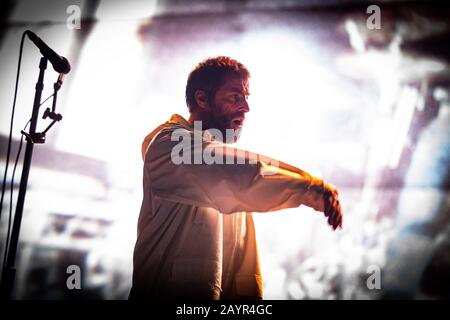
(228, 179)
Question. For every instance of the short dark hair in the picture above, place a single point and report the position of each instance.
(209, 75)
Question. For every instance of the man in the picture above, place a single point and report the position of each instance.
(196, 237)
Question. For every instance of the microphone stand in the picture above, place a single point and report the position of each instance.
(32, 137)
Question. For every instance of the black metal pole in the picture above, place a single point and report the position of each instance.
(9, 271)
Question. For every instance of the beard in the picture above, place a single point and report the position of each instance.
(213, 119)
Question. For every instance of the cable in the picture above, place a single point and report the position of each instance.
(46, 100)
(8, 152)
(8, 234)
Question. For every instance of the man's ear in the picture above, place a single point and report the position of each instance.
(201, 99)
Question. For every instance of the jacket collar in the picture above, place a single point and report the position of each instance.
(174, 119)
(180, 120)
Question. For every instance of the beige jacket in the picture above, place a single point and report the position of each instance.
(196, 236)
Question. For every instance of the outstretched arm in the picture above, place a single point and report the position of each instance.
(241, 181)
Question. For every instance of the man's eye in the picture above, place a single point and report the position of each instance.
(235, 97)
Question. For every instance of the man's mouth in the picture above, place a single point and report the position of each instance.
(238, 121)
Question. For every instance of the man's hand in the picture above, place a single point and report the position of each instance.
(332, 207)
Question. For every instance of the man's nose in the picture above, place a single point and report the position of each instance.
(243, 107)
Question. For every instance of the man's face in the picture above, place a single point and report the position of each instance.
(229, 106)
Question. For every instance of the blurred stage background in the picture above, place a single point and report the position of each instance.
(368, 110)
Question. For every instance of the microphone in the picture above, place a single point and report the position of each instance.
(59, 63)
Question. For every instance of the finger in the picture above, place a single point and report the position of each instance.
(331, 216)
(327, 212)
(339, 220)
(333, 207)
(331, 204)
(330, 220)
(335, 219)
(328, 204)
(340, 217)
